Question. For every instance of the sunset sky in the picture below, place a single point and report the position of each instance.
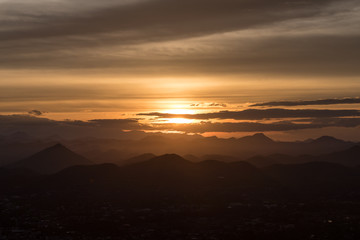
(213, 67)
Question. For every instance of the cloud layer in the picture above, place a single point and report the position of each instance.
(260, 114)
(307, 103)
(113, 128)
(273, 36)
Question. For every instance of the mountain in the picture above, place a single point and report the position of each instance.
(316, 178)
(137, 159)
(349, 157)
(327, 140)
(51, 160)
(164, 177)
(262, 161)
(258, 138)
(165, 162)
(192, 158)
(172, 177)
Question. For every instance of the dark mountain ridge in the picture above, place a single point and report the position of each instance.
(347, 157)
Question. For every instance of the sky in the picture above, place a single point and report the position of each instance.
(285, 67)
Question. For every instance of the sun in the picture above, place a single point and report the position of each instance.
(179, 120)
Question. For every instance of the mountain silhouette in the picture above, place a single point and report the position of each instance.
(349, 157)
(258, 138)
(316, 178)
(163, 164)
(51, 160)
(137, 159)
(327, 140)
(161, 177)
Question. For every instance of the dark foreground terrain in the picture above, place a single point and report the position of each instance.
(169, 197)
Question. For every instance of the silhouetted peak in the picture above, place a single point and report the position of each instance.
(57, 148)
(257, 137)
(52, 159)
(327, 139)
(261, 136)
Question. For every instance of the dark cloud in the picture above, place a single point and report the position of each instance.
(78, 41)
(27, 121)
(113, 128)
(305, 103)
(214, 104)
(217, 105)
(162, 18)
(258, 127)
(259, 114)
(305, 55)
(35, 112)
(43, 127)
(124, 124)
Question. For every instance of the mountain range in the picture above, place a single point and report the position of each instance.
(171, 176)
(17, 146)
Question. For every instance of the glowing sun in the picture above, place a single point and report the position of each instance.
(179, 120)
(180, 112)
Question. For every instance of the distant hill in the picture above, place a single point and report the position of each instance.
(348, 157)
(51, 160)
(257, 138)
(161, 177)
(140, 158)
(118, 151)
(316, 178)
(172, 178)
(326, 140)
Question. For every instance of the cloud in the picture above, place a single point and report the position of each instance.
(214, 104)
(306, 103)
(260, 114)
(43, 127)
(152, 18)
(35, 112)
(217, 105)
(270, 36)
(114, 128)
(258, 127)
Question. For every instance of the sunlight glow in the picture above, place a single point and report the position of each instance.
(180, 111)
(179, 120)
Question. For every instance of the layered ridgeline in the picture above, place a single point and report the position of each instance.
(171, 176)
(58, 157)
(195, 148)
